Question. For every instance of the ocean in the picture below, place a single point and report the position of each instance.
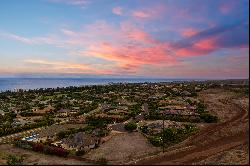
(36, 83)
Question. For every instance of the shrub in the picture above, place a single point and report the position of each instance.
(144, 129)
(14, 160)
(102, 161)
(38, 147)
(80, 152)
(155, 140)
(130, 126)
(200, 108)
(209, 118)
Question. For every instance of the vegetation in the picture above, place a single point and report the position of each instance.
(102, 161)
(14, 160)
(207, 118)
(172, 135)
(135, 110)
(130, 126)
(46, 149)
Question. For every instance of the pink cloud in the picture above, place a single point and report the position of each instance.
(206, 44)
(201, 47)
(130, 50)
(131, 54)
(153, 12)
(225, 8)
(117, 10)
(141, 14)
(188, 32)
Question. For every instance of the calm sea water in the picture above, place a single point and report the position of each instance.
(34, 83)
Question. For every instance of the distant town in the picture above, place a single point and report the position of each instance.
(75, 121)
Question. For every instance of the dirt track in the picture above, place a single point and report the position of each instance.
(230, 133)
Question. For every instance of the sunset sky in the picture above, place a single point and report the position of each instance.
(149, 38)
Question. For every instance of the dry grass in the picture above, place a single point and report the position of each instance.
(235, 156)
(31, 158)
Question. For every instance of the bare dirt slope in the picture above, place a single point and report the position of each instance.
(216, 143)
(123, 147)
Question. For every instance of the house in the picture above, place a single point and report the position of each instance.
(173, 107)
(118, 111)
(139, 118)
(80, 141)
(145, 108)
(186, 93)
(2, 112)
(157, 126)
(197, 88)
(77, 120)
(171, 112)
(122, 102)
(191, 108)
(66, 112)
(47, 109)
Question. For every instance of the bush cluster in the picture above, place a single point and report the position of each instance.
(46, 149)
